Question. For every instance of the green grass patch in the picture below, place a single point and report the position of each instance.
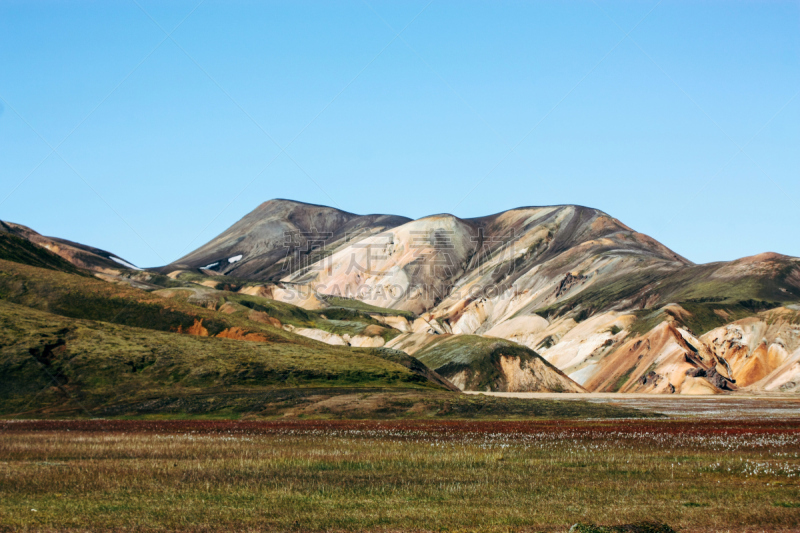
(358, 305)
(620, 382)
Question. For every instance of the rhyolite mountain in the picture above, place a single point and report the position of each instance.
(556, 298)
(278, 236)
(612, 308)
(135, 341)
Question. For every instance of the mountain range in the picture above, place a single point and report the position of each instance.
(556, 298)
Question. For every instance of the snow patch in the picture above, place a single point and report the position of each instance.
(212, 265)
(235, 258)
(123, 262)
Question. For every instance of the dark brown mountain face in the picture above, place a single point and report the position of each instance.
(79, 255)
(280, 237)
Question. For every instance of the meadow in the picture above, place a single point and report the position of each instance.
(411, 475)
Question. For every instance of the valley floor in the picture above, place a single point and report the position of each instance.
(415, 475)
(723, 406)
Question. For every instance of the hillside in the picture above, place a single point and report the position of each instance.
(79, 255)
(54, 365)
(52, 362)
(569, 282)
(478, 363)
(96, 342)
(558, 298)
(280, 236)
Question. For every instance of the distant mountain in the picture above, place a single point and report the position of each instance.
(612, 308)
(79, 255)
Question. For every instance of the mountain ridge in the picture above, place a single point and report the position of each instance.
(565, 264)
(563, 297)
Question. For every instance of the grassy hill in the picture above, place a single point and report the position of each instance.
(89, 298)
(337, 320)
(48, 359)
(484, 363)
(53, 366)
(101, 340)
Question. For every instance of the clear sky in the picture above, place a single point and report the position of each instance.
(146, 129)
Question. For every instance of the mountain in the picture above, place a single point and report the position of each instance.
(79, 255)
(612, 308)
(280, 236)
(557, 298)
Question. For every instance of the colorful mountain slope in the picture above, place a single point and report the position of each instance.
(570, 282)
(279, 237)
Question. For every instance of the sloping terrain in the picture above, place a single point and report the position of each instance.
(763, 351)
(279, 237)
(483, 364)
(50, 361)
(79, 255)
(569, 282)
(611, 308)
(332, 325)
(206, 312)
(194, 310)
(20, 250)
(85, 335)
(89, 298)
(476, 273)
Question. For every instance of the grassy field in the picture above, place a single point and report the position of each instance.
(398, 476)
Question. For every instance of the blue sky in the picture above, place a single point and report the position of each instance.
(147, 129)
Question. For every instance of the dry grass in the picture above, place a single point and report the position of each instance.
(398, 476)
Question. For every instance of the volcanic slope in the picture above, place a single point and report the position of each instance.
(79, 255)
(572, 283)
(518, 261)
(279, 237)
(71, 344)
(479, 363)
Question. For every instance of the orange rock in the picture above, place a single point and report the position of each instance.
(237, 333)
(195, 329)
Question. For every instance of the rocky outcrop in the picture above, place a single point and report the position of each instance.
(195, 329)
(761, 350)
